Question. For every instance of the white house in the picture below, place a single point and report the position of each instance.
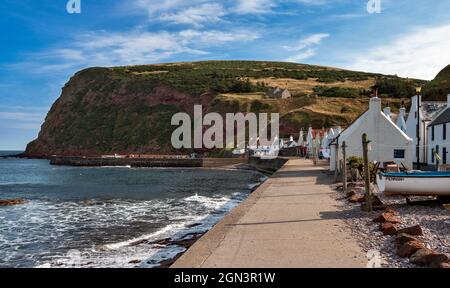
(301, 139)
(427, 113)
(333, 133)
(439, 137)
(324, 141)
(310, 141)
(388, 142)
(279, 93)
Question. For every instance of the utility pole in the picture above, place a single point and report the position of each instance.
(365, 143)
(418, 90)
(336, 160)
(344, 171)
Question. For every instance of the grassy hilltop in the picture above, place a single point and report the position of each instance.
(128, 109)
(439, 88)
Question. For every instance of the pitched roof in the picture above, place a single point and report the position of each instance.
(431, 109)
(443, 118)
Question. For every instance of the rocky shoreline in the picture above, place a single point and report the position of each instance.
(186, 242)
(406, 234)
(12, 202)
(189, 239)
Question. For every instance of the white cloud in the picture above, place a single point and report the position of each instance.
(306, 54)
(308, 41)
(215, 37)
(128, 48)
(153, 7)
(197, 15)
(305, 47)
(200, 12)
(421, 53)
(254, 6)
(148, 47)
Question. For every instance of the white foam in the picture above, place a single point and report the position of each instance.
(121, 253)
(169, 229)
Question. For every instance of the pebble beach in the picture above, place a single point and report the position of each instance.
(429, 214)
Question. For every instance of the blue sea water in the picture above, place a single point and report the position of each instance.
(108, 217)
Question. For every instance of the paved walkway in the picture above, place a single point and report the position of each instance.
(290, 221)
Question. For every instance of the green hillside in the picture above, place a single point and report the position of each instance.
(128, 109)
(439, 88)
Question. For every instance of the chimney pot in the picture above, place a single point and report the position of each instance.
(375, 104)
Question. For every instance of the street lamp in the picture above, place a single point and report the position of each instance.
(418, 91)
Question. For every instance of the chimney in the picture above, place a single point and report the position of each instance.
(387, 111)
(448, 100)
(375, 104)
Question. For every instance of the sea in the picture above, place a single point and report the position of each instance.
(109, 216)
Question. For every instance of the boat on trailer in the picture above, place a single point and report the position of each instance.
(415, 183)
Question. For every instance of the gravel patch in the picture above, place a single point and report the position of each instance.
(433, 218)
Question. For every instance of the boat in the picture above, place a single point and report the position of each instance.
(415, 183)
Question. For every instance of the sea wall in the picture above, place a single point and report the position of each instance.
(264, 165)
(141, 162)
(99, 162)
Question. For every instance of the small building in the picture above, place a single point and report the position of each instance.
(278, 93)
(314, 141)
(429, 110)
(439, 137)
(388, 142)
(332, 135)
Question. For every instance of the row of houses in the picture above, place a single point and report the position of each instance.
(403, 138)
(420, 136)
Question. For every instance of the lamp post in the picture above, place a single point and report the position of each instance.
(418, 91)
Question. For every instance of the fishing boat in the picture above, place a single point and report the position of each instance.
(415, 183)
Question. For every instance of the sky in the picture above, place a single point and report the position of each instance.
(42, 45)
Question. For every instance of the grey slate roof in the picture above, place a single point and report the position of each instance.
(442, 118)
(431, 109)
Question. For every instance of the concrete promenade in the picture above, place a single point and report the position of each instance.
(290, 221)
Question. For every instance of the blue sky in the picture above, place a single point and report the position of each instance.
(42, 45)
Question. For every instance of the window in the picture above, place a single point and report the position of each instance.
(444, 155)
(432, 155)
(399, 154)
(444, 131)
(432, 133)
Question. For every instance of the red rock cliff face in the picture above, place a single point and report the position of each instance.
(99, 113)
